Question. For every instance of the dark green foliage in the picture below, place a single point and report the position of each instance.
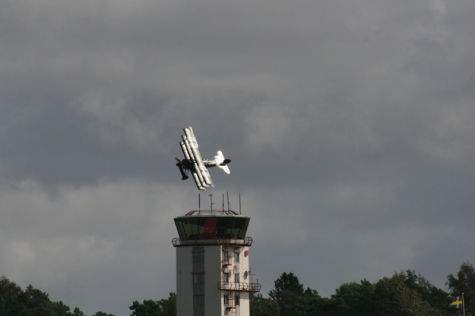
(78, 312)
(32, 302)
(288, 292)
(164, 307)
(261, 306)
(436, 297)
(147, 308)
(37, 303)
(403, 294)
(464, 282)
(355, 298)
(286, 283)
(9, 294)
(168, 306)
(291, 297)
(324, 307)
(394, 297)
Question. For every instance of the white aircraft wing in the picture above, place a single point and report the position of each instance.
(186, 152)
(200, 172)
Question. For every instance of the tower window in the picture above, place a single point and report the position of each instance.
(236, 257)
(198, 300)
(236, 278)
(198, 278)
(198, 257)
(236, 298)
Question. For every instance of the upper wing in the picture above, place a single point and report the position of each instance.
(189, 155)
(190, 150)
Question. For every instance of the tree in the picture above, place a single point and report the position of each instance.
(464, 283)
(436, 297)
(393, 297)
(403, 294)
(32, 302)
(168, 306)
(164, 307)
(290, 295)
(9, 294)
(324, 307)
(286, 283)
(355, 298)
(37, 302)
(61, 309)
(102, 314)
(261, 306)
(309, 296)
(78, 312)
(147, 308)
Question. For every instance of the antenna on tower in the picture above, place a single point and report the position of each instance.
(199, 202)
(211, 201)
(223, 201)
(239, 203)
(227, 195)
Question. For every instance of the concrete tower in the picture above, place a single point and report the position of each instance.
(212, 264)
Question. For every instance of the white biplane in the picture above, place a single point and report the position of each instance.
(194, 163)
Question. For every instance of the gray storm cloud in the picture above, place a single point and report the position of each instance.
(349, 126)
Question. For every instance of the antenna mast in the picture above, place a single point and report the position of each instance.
(239, 203)
(211, 201)
(227, 196)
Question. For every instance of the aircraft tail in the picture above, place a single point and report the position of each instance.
(221, 162)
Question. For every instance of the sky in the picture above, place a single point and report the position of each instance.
(349, 125)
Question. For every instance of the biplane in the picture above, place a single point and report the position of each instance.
(195, 164)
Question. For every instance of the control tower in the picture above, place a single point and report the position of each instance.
(212, 264)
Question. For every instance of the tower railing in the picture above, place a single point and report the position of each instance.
(212, 212)
(240, 287)
(178, 242)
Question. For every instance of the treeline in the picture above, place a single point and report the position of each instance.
(32, 302)
(163, 307)
(403, 294)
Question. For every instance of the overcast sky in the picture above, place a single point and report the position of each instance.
(350, 125)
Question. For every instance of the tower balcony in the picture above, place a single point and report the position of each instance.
(178, 242)
(239, 287)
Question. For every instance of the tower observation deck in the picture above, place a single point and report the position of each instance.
(212, 266)
(207, 227)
